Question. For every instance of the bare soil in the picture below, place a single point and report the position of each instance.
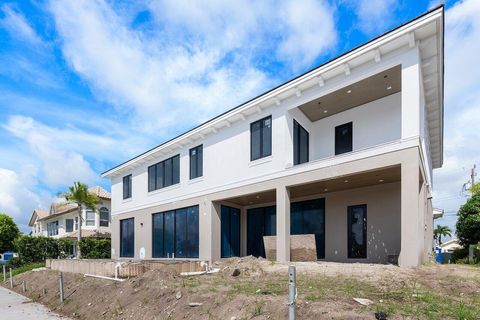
(325, 291)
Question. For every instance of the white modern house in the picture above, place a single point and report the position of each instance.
(61, 221)
(344, 152)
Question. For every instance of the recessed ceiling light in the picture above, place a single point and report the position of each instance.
(345, 181)
(250, 202)
(258, 197)
(325, 189)
(349, 91)
(381, 180)
(325, 111)
(389, 88)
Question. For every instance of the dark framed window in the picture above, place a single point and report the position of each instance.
(52, 228)
(343, 138)
(300, 144)
(196, 162)
(127, 186)
(164, 173)
(308, 217)
(68, 225)
(357, 232)
(104, 217)
(90, 218)
(127, 238)
(176, 233)
(261, 138)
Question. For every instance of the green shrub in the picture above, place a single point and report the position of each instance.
(14, 263)
(459, 255)
(95, 248)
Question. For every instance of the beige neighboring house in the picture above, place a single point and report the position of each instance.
(450, 245)
(61, 221)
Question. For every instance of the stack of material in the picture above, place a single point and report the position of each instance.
(302, 247)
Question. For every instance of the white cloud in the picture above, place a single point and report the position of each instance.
(16, 199)
(373, 15)
(17, 26)
(462, 106)
(200, 58)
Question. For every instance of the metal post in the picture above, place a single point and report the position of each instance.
(292, 292)
(11, 279)
(24, 286)
(4, 273)
(60, 278)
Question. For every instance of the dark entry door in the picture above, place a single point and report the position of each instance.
(357, 231)
(230, 229)
(260, 222)
(127, 238)
(308, 217)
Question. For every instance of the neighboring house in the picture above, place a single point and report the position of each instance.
(61, 221)
(450, 245)
(344, 152)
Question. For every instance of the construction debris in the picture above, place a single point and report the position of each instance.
(363, 302)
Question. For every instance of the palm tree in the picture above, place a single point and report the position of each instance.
(441, 231)
(78, 193)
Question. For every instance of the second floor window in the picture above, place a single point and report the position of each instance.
(68, 225)
(104, 217)
(90, 218)
(164, 173)
(261, 138)
(196, 162)
(127, 186)
(300, 144)
(343, 138)
(52, 228)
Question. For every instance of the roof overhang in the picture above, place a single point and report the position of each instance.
(426, 31)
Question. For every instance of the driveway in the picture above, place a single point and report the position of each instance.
(14, 306)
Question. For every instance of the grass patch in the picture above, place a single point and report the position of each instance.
(26, 267)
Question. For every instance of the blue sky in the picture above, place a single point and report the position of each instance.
(85, 85)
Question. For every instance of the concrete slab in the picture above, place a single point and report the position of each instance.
(14, 306)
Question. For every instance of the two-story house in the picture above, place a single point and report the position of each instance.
(61, 221)
(344, 152)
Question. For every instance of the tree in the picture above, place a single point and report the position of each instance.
(8, 233)
(475, 189)
(78, 193)
(468, 222)
(441, 231)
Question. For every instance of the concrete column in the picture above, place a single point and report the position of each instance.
(410, 216)
(411, 95)
(209, 242)
(283, 224)
(243, 232)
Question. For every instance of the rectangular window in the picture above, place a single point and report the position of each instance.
(300, 144)
(90, 218)
(104, 217)
(164, 173)
(196, 162)
(261, 138)
(52, 228)
(230, 232)
(68, 225)
(343, 138)
(127, 187)
(357, 232)
(76, 223)
(260, 222)
(308, 217)
(176, 233)
(127, 238)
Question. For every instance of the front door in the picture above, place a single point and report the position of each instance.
(357, 232)
(260, 222)
(308, 217)
(230, 229)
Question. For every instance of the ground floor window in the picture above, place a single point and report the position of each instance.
(308, 217)
(230, 229)
(176, 233)
(357, 231)
(260, 222)
(127, 238)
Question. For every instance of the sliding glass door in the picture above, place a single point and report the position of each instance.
(230, 229)
(308, 217)
(127, 238)
(260, 222)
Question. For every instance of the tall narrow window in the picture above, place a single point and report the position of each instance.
(104, 217)
(300, 144)
(68, 225)
(196, 162)
(90, 218)
(127, 186)
(343, 138)
(261, 138)
(164, 173)
(357, 231)
(127, 238)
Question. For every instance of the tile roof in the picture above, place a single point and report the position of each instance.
(88, 234)
(100, 192)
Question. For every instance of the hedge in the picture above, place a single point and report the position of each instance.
(37, 249)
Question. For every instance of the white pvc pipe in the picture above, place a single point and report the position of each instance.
(103, 277)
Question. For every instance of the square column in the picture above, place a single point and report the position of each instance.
(283, 224)
(410, 245)
(209, 224)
